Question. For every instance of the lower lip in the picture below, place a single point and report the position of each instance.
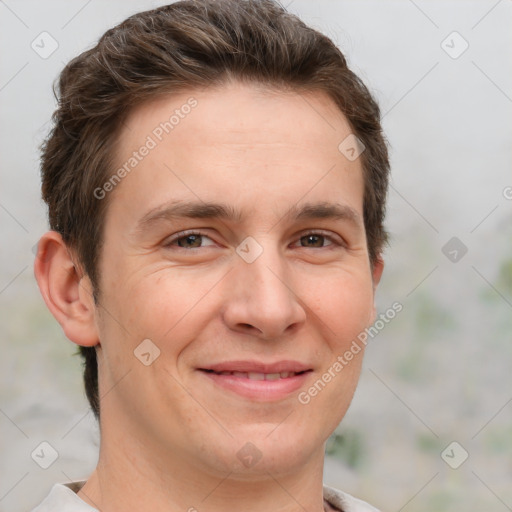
(259, 390)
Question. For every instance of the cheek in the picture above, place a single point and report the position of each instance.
(344, 305)
(344, 310)
(164, 305)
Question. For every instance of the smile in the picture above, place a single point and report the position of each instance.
(258, 375)
(256, 381)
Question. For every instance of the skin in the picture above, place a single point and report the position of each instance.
(169, 434)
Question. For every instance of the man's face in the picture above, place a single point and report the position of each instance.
(243, 325)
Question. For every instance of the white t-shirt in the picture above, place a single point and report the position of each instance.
(63, 498)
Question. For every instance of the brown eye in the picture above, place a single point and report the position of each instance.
(190, 241)
(313, 240)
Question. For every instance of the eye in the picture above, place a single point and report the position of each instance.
(191, 240)
(315, 240)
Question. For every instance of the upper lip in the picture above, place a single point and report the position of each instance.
(257, 367)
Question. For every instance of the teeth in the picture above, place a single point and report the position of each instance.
(259, 376)
(256, 376)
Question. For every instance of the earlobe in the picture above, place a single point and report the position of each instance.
(67, 295)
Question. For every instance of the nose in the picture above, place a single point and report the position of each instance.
(262, 300)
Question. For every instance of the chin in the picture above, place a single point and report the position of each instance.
(275, 453)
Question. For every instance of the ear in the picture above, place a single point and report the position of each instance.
(67, 294)
(377, 269)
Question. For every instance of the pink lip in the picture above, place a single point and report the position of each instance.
(259, 390)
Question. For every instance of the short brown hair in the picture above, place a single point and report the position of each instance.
(188, 44)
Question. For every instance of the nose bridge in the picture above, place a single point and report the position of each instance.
(268, 280)
(263, 297)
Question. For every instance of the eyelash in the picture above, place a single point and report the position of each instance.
(185, 234)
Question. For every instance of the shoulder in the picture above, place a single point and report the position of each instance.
(63, 498)
(344, 502)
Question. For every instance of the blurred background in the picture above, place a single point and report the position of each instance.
(430, 425)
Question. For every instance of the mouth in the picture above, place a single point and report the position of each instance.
(257, 381)
(257, 375)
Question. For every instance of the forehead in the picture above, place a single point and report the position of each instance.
(238, 143)
(220, 110)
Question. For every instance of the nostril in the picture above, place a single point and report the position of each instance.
(247, 327)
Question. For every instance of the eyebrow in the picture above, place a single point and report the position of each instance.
(208, 210)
